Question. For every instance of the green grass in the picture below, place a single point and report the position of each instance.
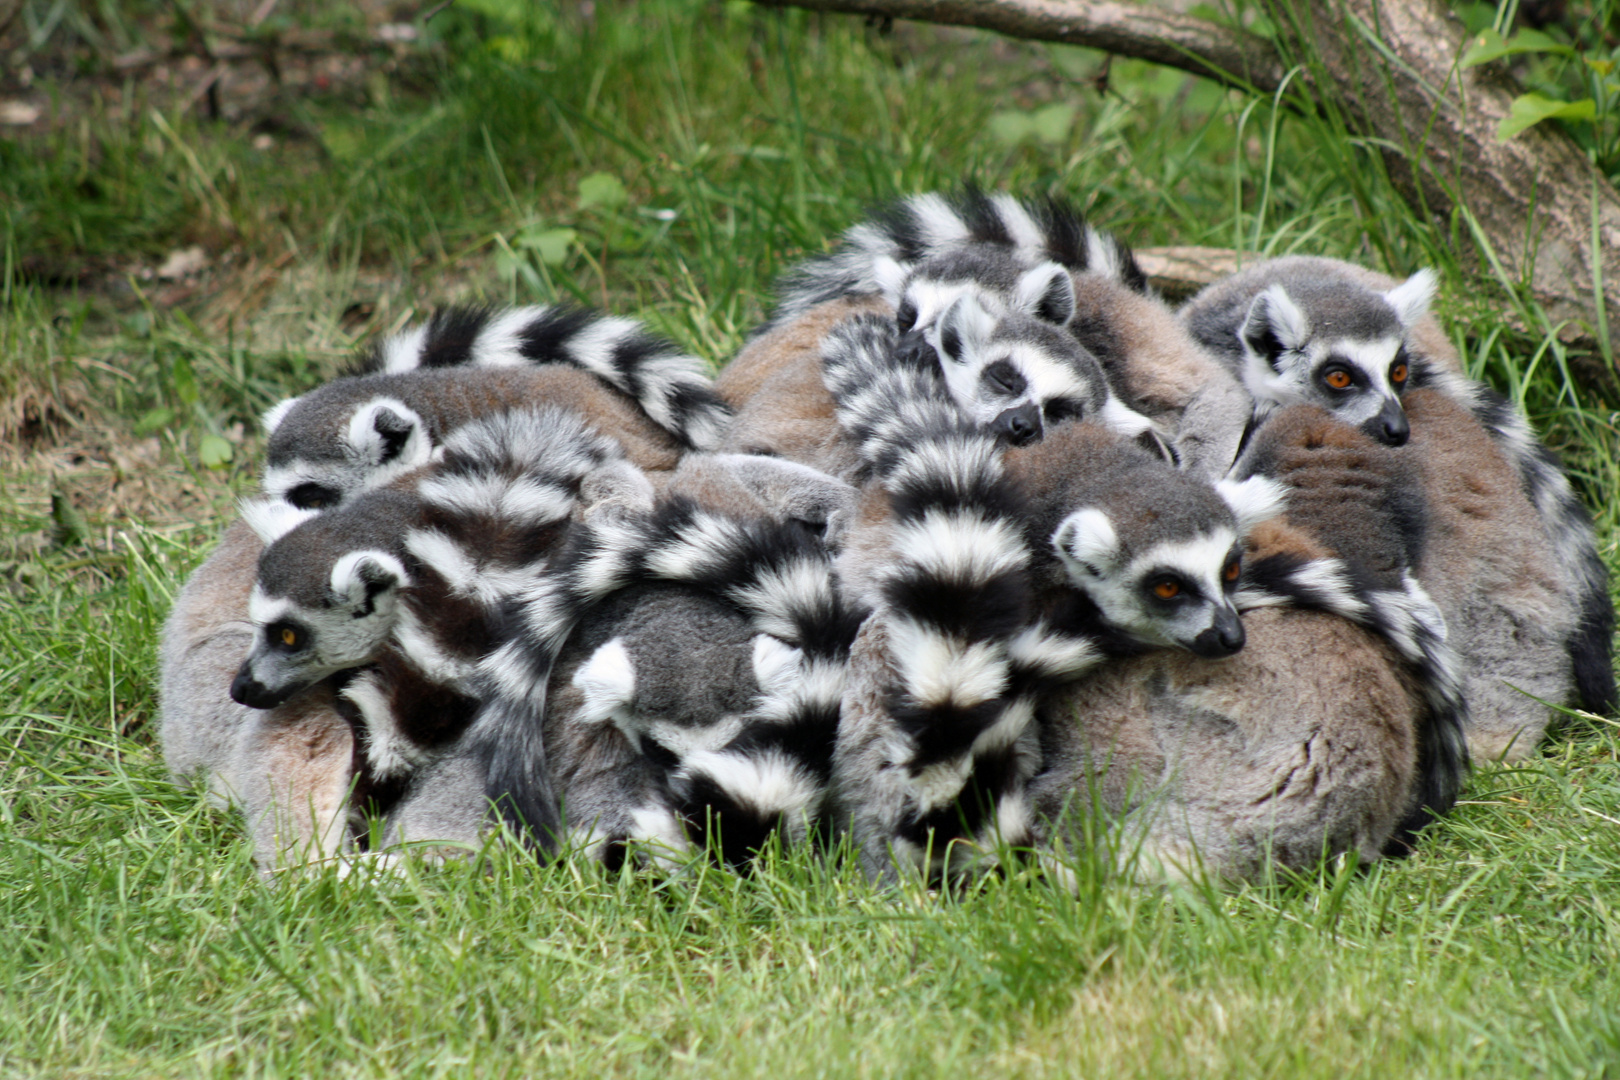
(139, 939)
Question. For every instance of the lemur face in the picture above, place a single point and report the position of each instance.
(297, 644)
(1177, 593)
(1354, 364)
(1174, 590)
(319, 458)
(1016, 375)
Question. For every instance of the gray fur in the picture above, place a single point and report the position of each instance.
(1493, 571)
(692, 675)
(1299, 747)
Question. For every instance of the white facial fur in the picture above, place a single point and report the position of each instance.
(1296, 374)
(1088, 546)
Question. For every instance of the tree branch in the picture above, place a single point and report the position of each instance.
(1144, 33)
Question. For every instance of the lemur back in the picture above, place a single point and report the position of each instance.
(1493, 571)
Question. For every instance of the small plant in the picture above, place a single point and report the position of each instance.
(1571, 73)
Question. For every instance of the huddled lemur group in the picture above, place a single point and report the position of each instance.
(977, 551)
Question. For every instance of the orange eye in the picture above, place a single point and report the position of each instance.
(1167, 590)
(1232, 570)
(289, 636)
(1397, 374)
(1338, 378)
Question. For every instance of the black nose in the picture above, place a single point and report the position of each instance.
(913, 350)
(246, 690)
(1019, 426)
(1222, 639)
(1389, 426)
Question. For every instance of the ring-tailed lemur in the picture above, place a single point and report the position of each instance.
(1010, 377)
(750, 770)
(1338, 729)
(1326, 331)
(1005, 255)
(916, 227)
(396, 595)
(347, 436)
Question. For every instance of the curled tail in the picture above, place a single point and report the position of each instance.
(671, 387)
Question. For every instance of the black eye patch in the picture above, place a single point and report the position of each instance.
(312, 496)
(906, 317)
(1064, 409)
(287, 637)
(1003, 378)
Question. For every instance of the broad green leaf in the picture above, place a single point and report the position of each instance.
(551, 245)
(1489, 45)
(602, 189)
(214, 452)
(345, 141)
(182, 381)
(1052, 123)
(1010, 128)
(153, 420)
(1531, 109)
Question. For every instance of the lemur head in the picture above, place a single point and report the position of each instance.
(1158, 551)
(341, 439)
(1016, 374)
(324, 601)
(1338, 345)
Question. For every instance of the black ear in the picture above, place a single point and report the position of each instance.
(394, 430)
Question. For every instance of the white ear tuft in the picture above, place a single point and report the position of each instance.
(1254, 500)
(963, 329)
(1086, 543)
(1124, 419)
(1046, 292)
(776, 665)
(386, 431)
(1410, 298)
(890, 275)
(1275, 324)
(272, 519)
(277, 413)
(368, 579)
(608, 681)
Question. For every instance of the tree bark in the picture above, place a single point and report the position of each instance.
(1389, 69)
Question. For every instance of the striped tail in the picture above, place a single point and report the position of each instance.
(671, 387)
(915, 227)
